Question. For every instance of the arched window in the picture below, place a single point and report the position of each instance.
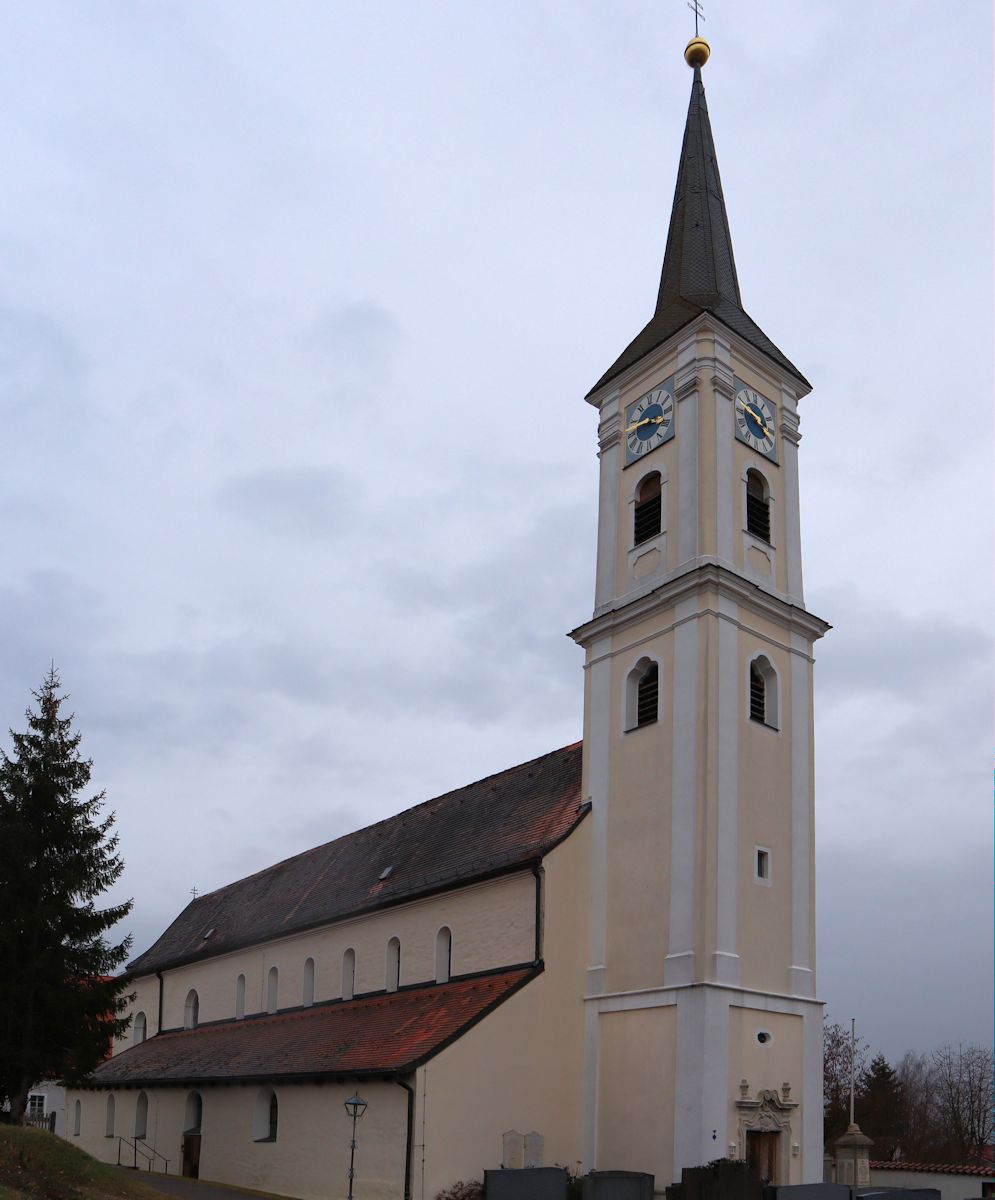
(240, 997)
(193, 1113)
(757, 505)
(191, 1010)
(272, 989)
(308, 989)
(349, 974)
(393, 964)
(141, 1115)
(141, 1029)
(648, 511)
(109, 1125)
(77, 1117)
(443, 954)
(642, 694)
(763, 692)
(266, 1118)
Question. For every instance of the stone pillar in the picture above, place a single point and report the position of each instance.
(853, 1157)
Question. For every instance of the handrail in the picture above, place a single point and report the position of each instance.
(149, 1153)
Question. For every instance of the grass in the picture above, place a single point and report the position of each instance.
(35, 1165)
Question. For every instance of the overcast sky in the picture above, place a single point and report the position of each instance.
(298, 305)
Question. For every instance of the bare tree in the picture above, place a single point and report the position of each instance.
(918, 1137)
(963, 1079)
(836, 1051)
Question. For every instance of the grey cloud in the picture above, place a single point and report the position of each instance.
(357, 337)
(42, 369)
(294, 502)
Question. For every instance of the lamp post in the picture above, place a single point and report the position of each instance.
(355, 1106)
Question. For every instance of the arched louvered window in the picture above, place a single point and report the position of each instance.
(272, 990)
(763, 692)
(109, 1126)
(240, 997)
(443, 954)
(141, 1029)
(648, 512)
(757, 505)
(349, 974)
(191, 1010)
(393, 964)
(642, 694)
(307, 996)
(141, 1115)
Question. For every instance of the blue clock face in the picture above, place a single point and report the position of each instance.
(649, 422)
(755, 421)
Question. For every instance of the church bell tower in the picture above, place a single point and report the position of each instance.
(703, 1031)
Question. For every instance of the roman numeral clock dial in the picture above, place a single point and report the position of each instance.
(756, 421)
(649, 422)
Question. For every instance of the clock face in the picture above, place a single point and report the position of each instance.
(755, 421)
(649, 422)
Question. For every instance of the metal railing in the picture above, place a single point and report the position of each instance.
(143, 1149)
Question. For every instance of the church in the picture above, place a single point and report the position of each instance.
(603, 958)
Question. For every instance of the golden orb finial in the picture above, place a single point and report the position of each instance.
(696, 52)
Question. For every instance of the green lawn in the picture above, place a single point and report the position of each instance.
(35, 1165)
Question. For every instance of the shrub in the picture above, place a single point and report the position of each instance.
(465, 1189)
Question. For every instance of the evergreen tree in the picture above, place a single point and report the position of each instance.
(879, 1108)
(59, 1006)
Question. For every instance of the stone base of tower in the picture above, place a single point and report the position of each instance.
(680, 1076)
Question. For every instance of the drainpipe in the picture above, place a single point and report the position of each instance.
(410, 1136)
(537, 872)
(158, 1028)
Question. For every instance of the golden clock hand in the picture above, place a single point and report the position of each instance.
(646, 421)
(758, 417)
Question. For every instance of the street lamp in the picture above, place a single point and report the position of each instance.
(355, 1106)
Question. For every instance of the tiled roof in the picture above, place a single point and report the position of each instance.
(381, 1034)
(937, 1168)
(699, 270)
(508, 819)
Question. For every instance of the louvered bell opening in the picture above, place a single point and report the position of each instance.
(646, 700)
(647, 520)
(758, 696)
(757, 507)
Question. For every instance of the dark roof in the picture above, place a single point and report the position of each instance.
(699, 271)
(939, 1168)
(381, 1034)
(498, 823)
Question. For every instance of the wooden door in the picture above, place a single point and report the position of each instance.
(761, 1154)
(191, 1155)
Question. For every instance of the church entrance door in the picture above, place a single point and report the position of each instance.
(761, 1154)
(191, 1155)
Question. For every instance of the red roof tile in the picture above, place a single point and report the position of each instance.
(939, 1168)
(381, 1034)
(495, 824)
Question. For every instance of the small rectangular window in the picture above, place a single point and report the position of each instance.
(763, 865)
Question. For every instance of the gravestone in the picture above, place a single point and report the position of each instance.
(618, 1185)
(540, 1183)
(512, 1150)
(533, 1149)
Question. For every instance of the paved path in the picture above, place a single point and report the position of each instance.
(195, 1189)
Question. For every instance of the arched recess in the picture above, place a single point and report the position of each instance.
(191, 1010)
(77, 1117)
(193, 1113)
(763, 692)
(307, 990)
(393, 981)
(642, 694)
(140, 1029)
(647, 508)
(109, 1120)
(141, 1115)
(266, 1116)
(272, 989)
(349, 974)
(240, 997)
(443, 954)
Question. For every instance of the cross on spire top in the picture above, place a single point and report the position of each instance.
(695, 7)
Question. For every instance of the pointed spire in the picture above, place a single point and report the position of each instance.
(699, 269)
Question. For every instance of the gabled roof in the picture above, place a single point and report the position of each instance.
(382, 1034)
(699, 270)
(506, 820)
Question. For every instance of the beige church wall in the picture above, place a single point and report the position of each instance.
(766, 1066)
(639, 819)
(309, 1159)
(146, 993)
(638, 1062)
(522, 1066)
(492, 925)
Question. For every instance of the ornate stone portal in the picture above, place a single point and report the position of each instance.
(767, 1113)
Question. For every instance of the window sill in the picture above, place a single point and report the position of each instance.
(261, 1141)
(764, 725)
